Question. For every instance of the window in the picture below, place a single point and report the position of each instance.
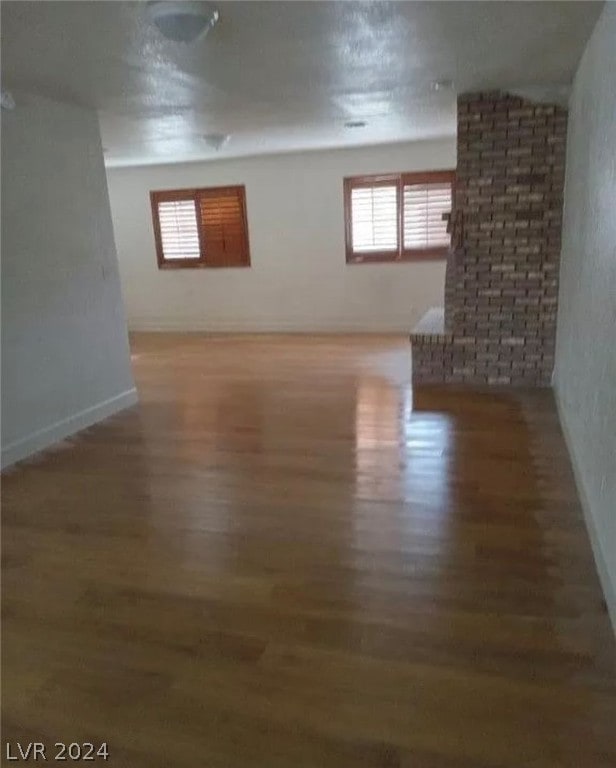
(200, 227)
(397, 217)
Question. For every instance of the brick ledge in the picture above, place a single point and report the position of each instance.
(431, 328)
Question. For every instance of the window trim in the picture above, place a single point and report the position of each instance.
(169, 195)
(385, 179)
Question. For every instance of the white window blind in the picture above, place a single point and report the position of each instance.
(424, 206)
(179, 231)
(374, 218)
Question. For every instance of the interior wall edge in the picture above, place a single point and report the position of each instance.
(609, 589)
(585, 356)
(65, 351)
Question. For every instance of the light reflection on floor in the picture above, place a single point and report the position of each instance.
(402, 457)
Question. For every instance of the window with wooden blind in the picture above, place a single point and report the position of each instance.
(201, 227)
(397, 217)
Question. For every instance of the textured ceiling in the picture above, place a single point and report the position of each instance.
(281, 76)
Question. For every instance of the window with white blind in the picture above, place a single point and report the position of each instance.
(200, 227)
(398, 217)
(425, 208)
(374, 214)
(179, 230)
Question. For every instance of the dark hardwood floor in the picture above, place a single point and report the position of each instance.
(278, 560)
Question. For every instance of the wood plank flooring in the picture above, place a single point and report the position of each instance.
(279, 560)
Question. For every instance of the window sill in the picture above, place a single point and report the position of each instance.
(428, 254)
(198, 265)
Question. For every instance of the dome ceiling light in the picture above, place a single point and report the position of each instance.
(182, 21)
(216, 141)
(441, 85)
(8, 102)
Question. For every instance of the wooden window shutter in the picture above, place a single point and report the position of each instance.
(224, 232)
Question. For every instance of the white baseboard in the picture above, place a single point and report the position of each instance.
(43, 438)
(265, 325)
(609, 589)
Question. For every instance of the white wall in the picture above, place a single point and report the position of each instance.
(585, 371)
(65, 359)
(299, 279)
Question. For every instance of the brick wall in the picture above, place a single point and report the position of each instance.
(501, 286)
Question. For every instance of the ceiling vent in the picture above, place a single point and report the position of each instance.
(182, 21)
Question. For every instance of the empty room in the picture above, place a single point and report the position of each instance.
(308, 383)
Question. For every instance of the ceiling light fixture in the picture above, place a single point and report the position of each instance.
(182, 21)
(216, 140)
(355, 124)
(8, 102)
(441, 85)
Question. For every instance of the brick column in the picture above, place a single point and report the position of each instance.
(501, 287)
